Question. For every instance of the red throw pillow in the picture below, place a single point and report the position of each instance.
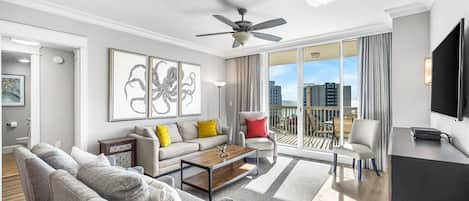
(256, 128)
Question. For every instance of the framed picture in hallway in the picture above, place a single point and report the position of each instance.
(190, 89)
(127, 85)
(164, 88)
(12, 90)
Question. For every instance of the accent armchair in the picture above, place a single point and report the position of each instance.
(362, 145)
(265, 147)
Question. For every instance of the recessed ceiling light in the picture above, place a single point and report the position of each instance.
(24, 60)
(317, 3)
(25, 42)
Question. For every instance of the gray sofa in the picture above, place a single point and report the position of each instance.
(158, 160)
(41, 182)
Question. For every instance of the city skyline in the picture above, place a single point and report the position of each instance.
(315, 72)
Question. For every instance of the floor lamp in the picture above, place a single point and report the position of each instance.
(219, 85)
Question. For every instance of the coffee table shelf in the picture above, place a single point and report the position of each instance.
(219, 171)
(221, 177)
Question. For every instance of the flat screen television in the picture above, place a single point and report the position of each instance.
(447, 74)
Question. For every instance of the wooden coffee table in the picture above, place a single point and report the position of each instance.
(219, 172)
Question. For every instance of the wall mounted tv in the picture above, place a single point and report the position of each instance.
(447, 74)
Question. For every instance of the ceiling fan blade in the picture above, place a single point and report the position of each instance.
(226, 21)
(265, 36)
(212, 34)
(236, 44)
(268, 24)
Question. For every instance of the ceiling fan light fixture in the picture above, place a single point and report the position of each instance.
(241, 37)
(317, 3)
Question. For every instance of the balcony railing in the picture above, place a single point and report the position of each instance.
(318, 124)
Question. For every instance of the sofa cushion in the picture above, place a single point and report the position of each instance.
(188, 129)
(177, 149)
(210, 142)
(56, 158)
(114, 183)
(206, 129)
(66, 187)
(260, 143)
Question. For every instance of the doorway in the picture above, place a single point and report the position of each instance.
(59, 40)
(313, 96)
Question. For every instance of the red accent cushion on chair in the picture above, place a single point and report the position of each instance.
(256, 128)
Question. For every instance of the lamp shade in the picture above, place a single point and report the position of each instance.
(219, 84)
(428, 71)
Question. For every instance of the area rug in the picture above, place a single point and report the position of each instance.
(289, 179)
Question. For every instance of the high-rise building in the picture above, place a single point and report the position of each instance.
(275, 94)
(325, 95)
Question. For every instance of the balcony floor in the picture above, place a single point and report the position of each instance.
(313, 142)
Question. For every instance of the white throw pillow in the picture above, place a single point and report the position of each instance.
(160, 191)
(83, 157)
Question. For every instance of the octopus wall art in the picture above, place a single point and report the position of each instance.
(128, 84)
(190, 89)
(164, 88)
(174, 88)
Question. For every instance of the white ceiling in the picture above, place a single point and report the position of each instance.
(182, 19)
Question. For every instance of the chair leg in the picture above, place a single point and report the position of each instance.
(334, 164)
(353, 164)
(359, 170)
(373, 161)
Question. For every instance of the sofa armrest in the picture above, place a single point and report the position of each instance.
(147, 154)
(242, 139)
(273, 137)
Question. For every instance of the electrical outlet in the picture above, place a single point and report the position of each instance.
(58, 144)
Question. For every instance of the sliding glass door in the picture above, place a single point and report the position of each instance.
(324, 78)
(283, 96)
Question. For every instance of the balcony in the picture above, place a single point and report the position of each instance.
(320, 126)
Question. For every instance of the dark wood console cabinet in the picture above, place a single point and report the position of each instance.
(422, 170)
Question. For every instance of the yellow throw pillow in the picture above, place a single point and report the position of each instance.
(163, 135)
(206, 128)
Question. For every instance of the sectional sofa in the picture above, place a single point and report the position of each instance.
(51, 174)
(158, 160)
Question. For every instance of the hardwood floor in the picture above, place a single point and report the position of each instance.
(343, 187)
(11, 183)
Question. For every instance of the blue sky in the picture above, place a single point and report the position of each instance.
(317, 72)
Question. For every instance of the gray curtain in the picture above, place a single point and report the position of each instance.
(244, 93)
(375, 87)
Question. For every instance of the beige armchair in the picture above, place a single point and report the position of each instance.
(363, 144)
(266, 147)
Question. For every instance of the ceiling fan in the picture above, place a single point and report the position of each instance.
(243, 29)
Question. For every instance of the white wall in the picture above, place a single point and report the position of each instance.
(57, 98)
(99, 40)
(410, 96)
(443, 18)
(19, 114)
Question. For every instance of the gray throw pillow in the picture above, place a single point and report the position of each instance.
(174, 133)
(146, 131)
(114, 183)
(188, 129)
(56, 158)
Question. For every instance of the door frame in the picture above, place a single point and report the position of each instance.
(299, 149)
(80, 46)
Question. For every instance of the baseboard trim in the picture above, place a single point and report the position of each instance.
(9, 149)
